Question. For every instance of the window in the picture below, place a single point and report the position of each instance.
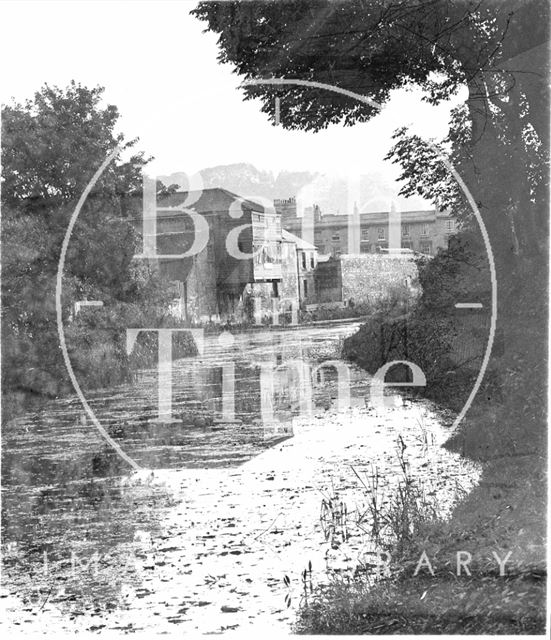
(365, 234)
(303, 258)
(257, 252)
(426, 247)
(449, 225)
(312, 261)
(424, 229)
(275, 290)
(305, 283)
(336, 236)
(381, 233)
(405, 230)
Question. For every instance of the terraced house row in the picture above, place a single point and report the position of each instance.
(420, 231)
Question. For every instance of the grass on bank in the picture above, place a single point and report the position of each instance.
(443, 604)
(506, 430)
(503, 516)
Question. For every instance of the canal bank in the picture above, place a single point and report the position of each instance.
(228, 521)
(232, 536)
(504, 514)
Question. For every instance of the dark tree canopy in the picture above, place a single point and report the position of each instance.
(369, 47)
(498, 50)
(52, 145)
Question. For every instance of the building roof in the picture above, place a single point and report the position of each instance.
(301, 244)
(371, 218)
(406, 216)
(207, 201)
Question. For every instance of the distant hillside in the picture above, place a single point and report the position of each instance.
(248, 181)
(333, 194)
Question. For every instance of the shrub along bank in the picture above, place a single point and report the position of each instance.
(97, 349)
(505, 428)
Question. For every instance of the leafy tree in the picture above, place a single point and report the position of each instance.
(498, 140)
(506, 175)
(372, 47)
(498, 51)
(54, 142)
(51, 147)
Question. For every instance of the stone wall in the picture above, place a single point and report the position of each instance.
(202, 304)
(368, 278)
(365, 278)
(328, 281)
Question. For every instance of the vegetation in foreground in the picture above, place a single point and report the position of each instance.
(51, 146)
(500, 519)
(503, 514)
(443, 604)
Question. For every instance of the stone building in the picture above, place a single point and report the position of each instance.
(286, 207)
(307, 261)
(227, 257)
(421, 231)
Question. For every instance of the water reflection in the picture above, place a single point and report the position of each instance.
(231, 401)
(62, 485)
(82, 540)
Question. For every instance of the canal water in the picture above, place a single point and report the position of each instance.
(214, 532)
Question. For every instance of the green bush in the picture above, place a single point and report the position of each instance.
(429, 333)
(97, 343)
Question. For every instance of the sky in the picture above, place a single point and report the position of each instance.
(160, 69)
